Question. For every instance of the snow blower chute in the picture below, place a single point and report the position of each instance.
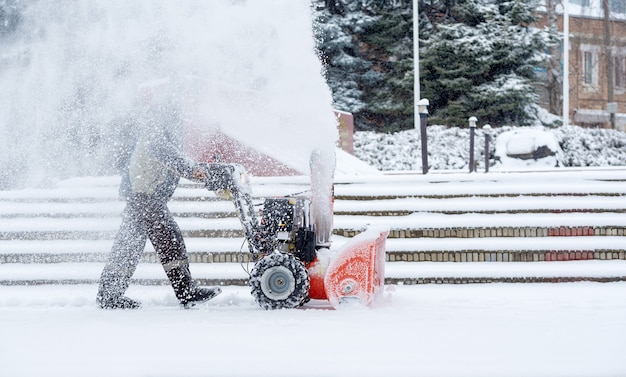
(293, 262)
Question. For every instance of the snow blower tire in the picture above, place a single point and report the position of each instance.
(279, 281)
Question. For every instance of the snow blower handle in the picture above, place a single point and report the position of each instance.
(230, 181)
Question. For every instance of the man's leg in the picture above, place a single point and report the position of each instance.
(125, 255)
(167, 239)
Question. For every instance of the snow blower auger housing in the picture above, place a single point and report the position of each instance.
(290, 267)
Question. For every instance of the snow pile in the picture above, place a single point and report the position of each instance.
(448, 148)
(528, 147)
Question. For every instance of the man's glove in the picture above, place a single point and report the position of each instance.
(220, 177)
(200, 173)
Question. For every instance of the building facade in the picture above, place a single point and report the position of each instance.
(597, 62)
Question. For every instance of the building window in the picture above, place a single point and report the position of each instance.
(619, 71)
(588, 68)
(590, 75)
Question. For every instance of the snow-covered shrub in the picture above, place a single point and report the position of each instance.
(592, 146)
(448, 147)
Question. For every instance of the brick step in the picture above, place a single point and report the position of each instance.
(391, 256)
(415, 221)
(486, 280)
(212, 250)
(388, 281)
(465, 190)
(199, 194)
(481, 232)
(108, 235)
(103, 246)
(385, 213)
(210, 214)
(87, 215)
(507, 232)
(149, 257)
(434, 195)
(505, 255)
(396, 273)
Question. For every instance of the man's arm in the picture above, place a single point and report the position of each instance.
(179, 163)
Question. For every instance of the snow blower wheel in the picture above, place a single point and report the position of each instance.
(279, 281)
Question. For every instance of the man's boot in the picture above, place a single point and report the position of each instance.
(186, 290)
(110, 294)
(120, 302)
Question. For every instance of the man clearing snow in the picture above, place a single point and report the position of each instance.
(151, 176)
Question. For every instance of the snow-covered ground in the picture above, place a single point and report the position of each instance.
(567, 329)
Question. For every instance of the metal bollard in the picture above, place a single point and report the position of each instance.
(472, 126)
(423, 112)
(487, 129)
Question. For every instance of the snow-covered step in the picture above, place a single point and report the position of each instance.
(441, 186)
(566, 182)
(397, 245)
(84, 190)
(395, 273)
(203, 208)
(487, 272)
(414, 221)
(59, 246)
(509, 233)
(505, 243)
(521, 176)
(200, 208)
(460, 217)
(201, 250)
(226, 250)
(477, 220)
(75, 273)
(503, 204)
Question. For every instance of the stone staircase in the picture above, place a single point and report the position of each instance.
(550, 226)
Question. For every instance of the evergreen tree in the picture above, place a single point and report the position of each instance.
(366, 46)
(388, 86)
(337, 23)
(477, 59)
(480, 61)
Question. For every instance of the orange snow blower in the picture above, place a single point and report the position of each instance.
(291, 264)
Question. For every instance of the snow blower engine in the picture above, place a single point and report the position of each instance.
(291, 265)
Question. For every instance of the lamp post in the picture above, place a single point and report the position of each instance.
(472, 126)
(422, 106)
(487, 130)
(566, 63)
(416, 52)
